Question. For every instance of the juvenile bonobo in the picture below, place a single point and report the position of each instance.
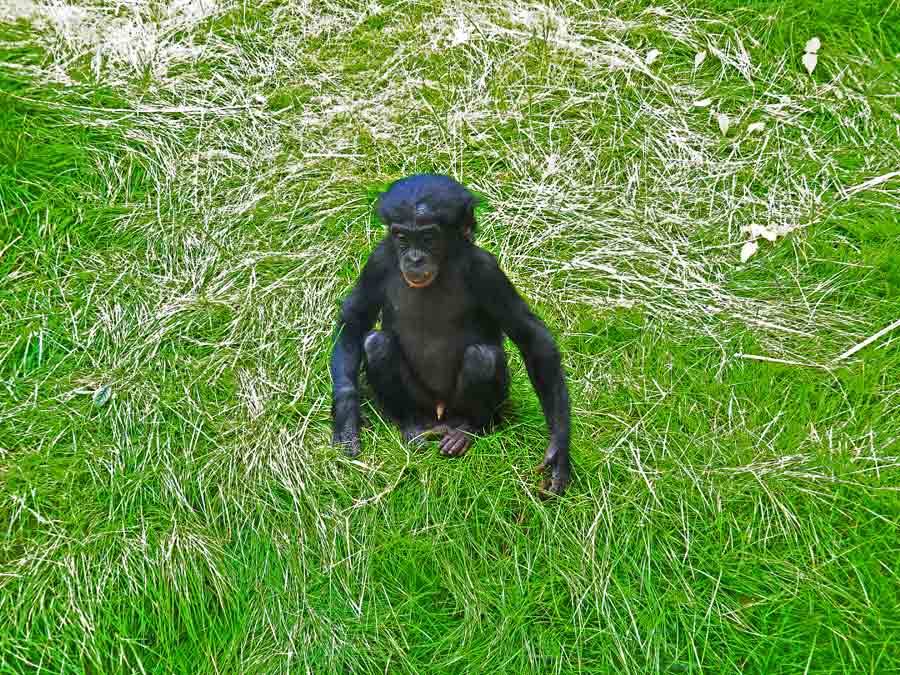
(437, 366)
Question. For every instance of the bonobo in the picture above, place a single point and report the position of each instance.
(437, 366)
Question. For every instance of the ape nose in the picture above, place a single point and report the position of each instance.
(416, 258)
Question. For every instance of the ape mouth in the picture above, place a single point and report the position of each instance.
(420, 282)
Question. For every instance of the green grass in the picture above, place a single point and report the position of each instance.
(186, 192)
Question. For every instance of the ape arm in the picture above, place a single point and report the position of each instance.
(501, 301)
(358, 314)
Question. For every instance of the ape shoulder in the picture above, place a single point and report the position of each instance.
(378, 264)
(483, 270)
(382, 254)
(364, 301)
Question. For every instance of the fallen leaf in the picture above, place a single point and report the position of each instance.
(756, 127)
(699, 58)
(724, 123)
(809, 62)
(652, 55)
(748, 249)
(703, 103)
(812, 45)
(102, 395)
(757, 231)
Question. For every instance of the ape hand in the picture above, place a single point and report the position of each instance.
(346, 426)
(348, 440)
(556, 459)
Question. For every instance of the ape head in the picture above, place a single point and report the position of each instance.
(428, 216)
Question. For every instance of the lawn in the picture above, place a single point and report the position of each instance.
(186, 192)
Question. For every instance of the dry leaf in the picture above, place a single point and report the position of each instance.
(756, 127)
(703, 103)
(102, 395)
(652, 55)
(757, 231)
(812, 45)
(724, 123)
(748, 249)
(809, 62)
(699, 58)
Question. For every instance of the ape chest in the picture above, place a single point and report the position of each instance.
(433, 326)
(428, 314)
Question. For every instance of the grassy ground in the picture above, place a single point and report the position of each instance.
(186, 192)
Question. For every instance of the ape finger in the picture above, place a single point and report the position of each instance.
(462, 446)
(455, 442)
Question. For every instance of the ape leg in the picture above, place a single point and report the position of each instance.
(481, 388)
(396, 388)
(483, 384)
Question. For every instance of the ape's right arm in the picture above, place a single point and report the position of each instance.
(358, 314)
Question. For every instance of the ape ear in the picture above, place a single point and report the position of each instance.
(379, 208)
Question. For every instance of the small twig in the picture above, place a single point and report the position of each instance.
(770, 359)
(640, 467)
(869, 340)
(872, 182)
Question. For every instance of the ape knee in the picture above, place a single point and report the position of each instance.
(377, 346)
(479, 363)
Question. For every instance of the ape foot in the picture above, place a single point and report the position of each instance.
(456, 441)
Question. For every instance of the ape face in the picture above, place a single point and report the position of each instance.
(421, 248)
(427, 218)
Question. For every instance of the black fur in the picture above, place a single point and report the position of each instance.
(445, 306)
